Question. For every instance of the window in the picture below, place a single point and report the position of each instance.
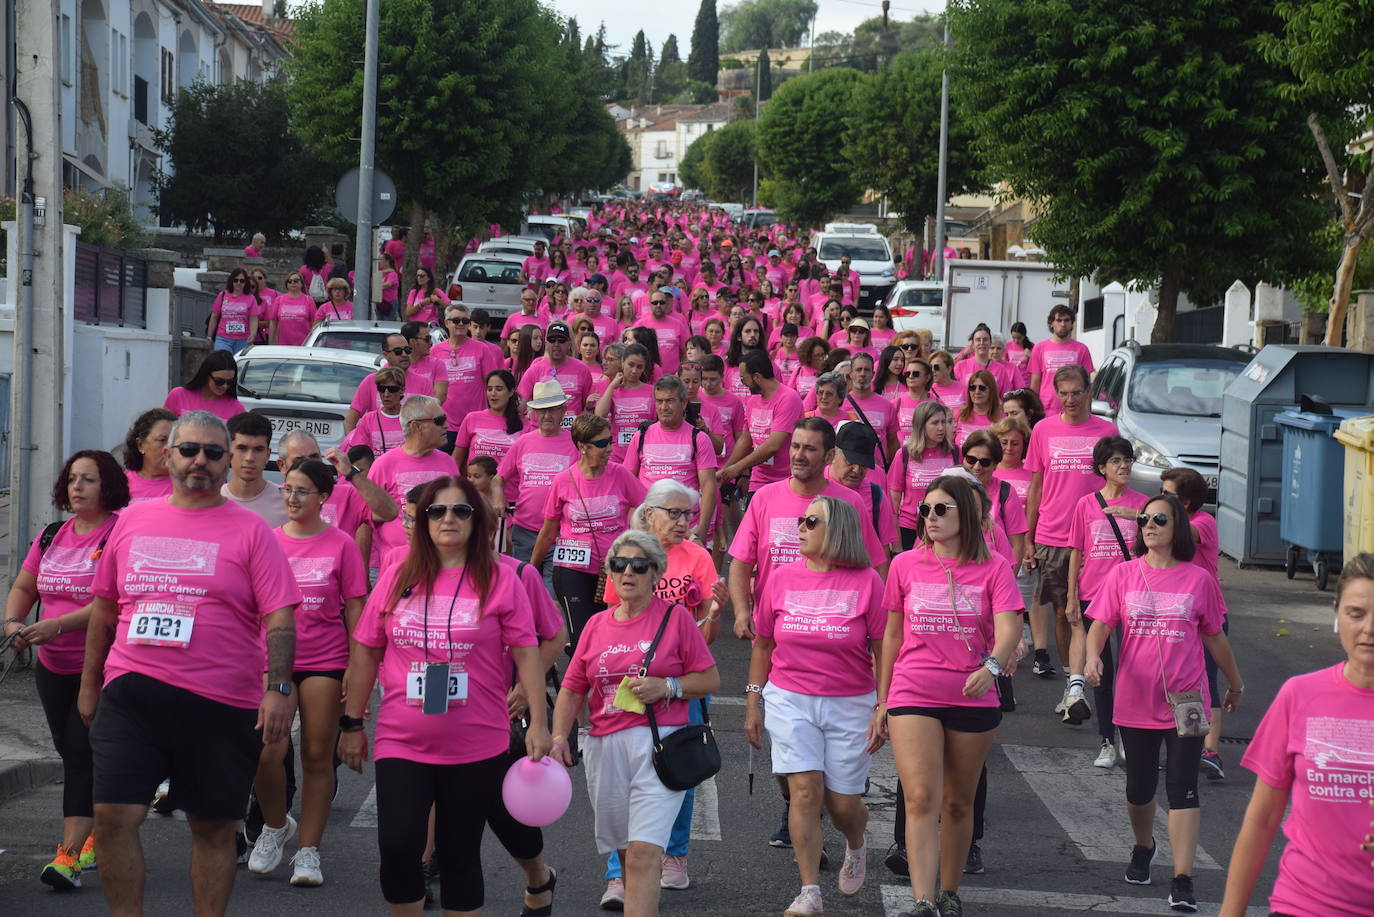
(689, 128)
(1193, 388)
(119, 70)
(325, 383)
(1092, 313)
(1107, 385)
(858, 249)
(661, 151)
(140, 99)
(475, 271)
(66, 64)
(169, 77)
(357, 341)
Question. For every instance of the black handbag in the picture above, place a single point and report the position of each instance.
(688, 756)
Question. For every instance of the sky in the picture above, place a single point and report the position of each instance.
(625, 17)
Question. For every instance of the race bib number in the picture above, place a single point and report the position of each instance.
(415, 684)
(566, 423)
(235, 326)
(572, 553)
(161, 624)
(625, 436)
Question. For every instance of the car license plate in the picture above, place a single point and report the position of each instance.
(328, 430)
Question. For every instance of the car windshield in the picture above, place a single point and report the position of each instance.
(489, 272)
(1192, 388)
(910, 299)
(872, 249)
(301, 380)
(357, 341)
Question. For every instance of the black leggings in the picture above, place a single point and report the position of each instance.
(1142, 766)
(57, 693)
(576, 591)
(465, 797)
(980, 807)
(1105, 693)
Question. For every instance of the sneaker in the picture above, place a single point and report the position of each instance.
(853, 870)
(783, 836)
(949, 905)
(1063, 704)
(1181, 897)
(63, 872)
(1042, 665)
(674, 873)
(307, 868)
(923, 908)
(1210, 765)
(806, 904)
(895, 861)
(1076, 709)
(973, 866)
(1138, 872)
(266, 855)
(86, 858)
(613, 898)
(162, 800)
(825, 856)
(1106, 757)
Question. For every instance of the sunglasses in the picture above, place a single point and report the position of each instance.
(1159, 519)
(599, 443)
(980, 462)
(658, 302)
(979, 387)
(909, 346)
(939, 509)
(808, 523)
(441, 421)
(190, 450)
(390, 389)
(593, 299)
(220, 380)
(915, 374)
(436, 511)
(399, 351)
(639, 565)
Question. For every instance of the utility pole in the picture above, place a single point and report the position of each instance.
(758, 88)
(940, 184)
(363, 254)
(37, 445)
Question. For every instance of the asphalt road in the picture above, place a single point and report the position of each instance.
(1056, 842)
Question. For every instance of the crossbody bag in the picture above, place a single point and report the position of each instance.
(1188, 707)
(686, 757)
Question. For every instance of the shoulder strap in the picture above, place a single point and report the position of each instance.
(49, 533)
(648, 657)
(876, 493)
(1116, 529)
(1004, 493)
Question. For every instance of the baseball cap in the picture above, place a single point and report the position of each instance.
(774, 253)
(857, 442)
(558, 329)
(676, 257)
(595, 279)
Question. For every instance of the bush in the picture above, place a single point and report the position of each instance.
(105, 218)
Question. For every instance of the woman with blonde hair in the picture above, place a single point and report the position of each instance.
(927, 452)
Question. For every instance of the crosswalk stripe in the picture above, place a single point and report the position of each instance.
(897, 898)
(706, 812)
(366, 816)
(1090, 803)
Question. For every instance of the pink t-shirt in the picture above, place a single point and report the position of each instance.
(966, 428)
(182, 401)
(484, 433)
(449, 623)
(910, 477)
(821, 624)
(346, 510)
(1048, 356)
(1003, 373)
(767, 536)
(1208, 554)
(1317, 741)
(629, 409)
(886, 524)
(1063, 454)
(1091, 532)
(690, 577)
(732, 419)
(294, 316)
(573, 376)
(466, 369)
(935, 660)
(64, 573)
(906, 407)
(659, 453)
(951, 396)
(365, 398)
(396, 473)
(882, 414)
(193, 587)
(141, 488)
(608, 650)
(1018, 478)
(591, 512)
(528, 469)
(518, 320)
(235, 314)
(671, 332)
(548, 619)
(765, 416)
(334, 312)
(377, 429)
(803, 381)
(429, 312)
(329, 571)
(1160, 612)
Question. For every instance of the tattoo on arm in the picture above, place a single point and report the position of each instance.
(281, 653)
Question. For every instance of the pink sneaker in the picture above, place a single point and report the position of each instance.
(853, 870)
(674, 873)
(613, 899)
(807, 903)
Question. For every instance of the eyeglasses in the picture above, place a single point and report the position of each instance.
(456, 321)
(639, 565)
(1159, 519)
(674, 514)
(980, 462)
(593, 299)
(658, 302)
(808, 523)
(436, 511)
(390, 389)
(939, 509)
(1116, 461)
(938, 366)
(212, 451)
(978, 387)
(915, 374)
(401, 351)
(599, 443)
(300, 493)
(221, 380)
(441, 421)
(1076, 393)
(239, 280)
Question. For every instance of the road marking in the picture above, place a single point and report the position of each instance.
(897, 898)
(1090, 803)
(706, 812)
(726, 700)
(367, 812)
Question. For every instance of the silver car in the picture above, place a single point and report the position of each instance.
(1166, 399)
(489, 280)
(303, 388)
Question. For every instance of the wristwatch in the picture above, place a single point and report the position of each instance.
(353, 472)
(350, 723)
(281, 687)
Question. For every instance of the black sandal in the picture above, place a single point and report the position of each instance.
(548, 886)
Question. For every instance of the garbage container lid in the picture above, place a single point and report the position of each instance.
(1325, 423)
(1357, 432)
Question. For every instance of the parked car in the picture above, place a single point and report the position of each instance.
(488, 280)
(512, 245)
(869, 255)
(1166, 399)
(918, 305)
(754, 220)
(358, 336)
(303, 388)
(550, 225)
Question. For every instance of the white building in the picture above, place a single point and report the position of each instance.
(659, 136)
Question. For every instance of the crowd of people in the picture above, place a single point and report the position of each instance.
(687, 433)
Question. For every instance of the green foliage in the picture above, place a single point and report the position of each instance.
(669, 53)
(702, 93)
(240, 165)
(765, 76)
(105, 218)
(1329, 46)
(731, 161)
(1313, 290)
(704, 60)
(893, 137)
(1153, 139)
(869, 44)
(731, 63)
(693, 171)
(638, 71)
(801, 145)
(751, 24)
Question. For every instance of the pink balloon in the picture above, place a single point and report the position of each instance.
(537, 793)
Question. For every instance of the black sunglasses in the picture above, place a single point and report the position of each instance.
(1160, 519)
(190, 450)
(440, 421)
(909, 346)
(640, 565)
(939, 509)
(978, 387)
(398, 351)
(914, 374)
(808, 523)
(220, 380)
(390, 389)
(599, 443)
(436, 511)
(980, 462)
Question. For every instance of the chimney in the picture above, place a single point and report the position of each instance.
(659, 112)
(267, 6)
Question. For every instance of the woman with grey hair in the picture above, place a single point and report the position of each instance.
(812, 667)
(616, 676)
(831, 390)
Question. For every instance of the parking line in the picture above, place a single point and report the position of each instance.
(706, 812)
(897, 898)
(366, 816)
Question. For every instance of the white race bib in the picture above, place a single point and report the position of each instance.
(235, 326)
(566, 423)
(572, 553)
(415, 684)
(626, 436)
(161, 624)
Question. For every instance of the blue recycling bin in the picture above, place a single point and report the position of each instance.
(1312, 514)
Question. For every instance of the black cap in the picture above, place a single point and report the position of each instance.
(595, 279)
(857, 442)
(558, 329)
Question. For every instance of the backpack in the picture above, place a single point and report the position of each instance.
(317, 290)
(643, 427)
(876, 493)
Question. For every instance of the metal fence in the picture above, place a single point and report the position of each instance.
(1200, 326)
(191, 312)
(110, 286)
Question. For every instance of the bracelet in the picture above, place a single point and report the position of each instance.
(753, 689)
(674, 688)
(1235, 690)
(557, 739)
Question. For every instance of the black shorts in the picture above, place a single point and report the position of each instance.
(959, 719)
(336, 674)
(146, 731)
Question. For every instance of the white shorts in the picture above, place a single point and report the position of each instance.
(629, 801)
(827, 734)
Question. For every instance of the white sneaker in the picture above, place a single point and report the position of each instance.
(1107, 756)
(307, 863)
(1063, 704)
(266, 855)
(807, 903)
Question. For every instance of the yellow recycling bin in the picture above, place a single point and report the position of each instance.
(1357, 435)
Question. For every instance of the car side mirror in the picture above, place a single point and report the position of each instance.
(1103, 409)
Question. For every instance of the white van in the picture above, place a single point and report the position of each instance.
(869, 255)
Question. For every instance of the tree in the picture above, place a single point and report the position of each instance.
(694, 169)
(810, 178)
(1152, 139)
(703, 62)
(1329, 48)
(753, 24)
(265, 181)
(765, 78)
(893, 137)
(638, 71)
(668, 54)
(730, 161)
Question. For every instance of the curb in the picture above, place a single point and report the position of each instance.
(21, 776)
